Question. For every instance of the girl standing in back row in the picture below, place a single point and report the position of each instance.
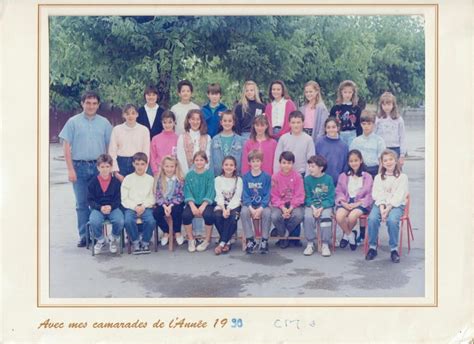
(347, 112)
(249, 107)
(390, 126)
(314, 110)
(278, 111)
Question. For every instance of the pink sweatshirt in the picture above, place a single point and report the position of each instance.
(287, 188)
(161, 145)
(289, 107)
(268, 149)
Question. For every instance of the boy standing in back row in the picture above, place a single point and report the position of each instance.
(213, 109)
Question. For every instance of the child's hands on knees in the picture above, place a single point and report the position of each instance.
(105, 209)
(139, 210)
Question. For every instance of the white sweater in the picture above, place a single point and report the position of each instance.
(391, 191)
(180, 110)
(137, 190)
(224, 189)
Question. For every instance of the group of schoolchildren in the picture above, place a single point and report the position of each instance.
(267, 165)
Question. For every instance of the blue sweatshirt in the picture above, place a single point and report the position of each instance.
(335, 151)
(256, 189)
(212, 117)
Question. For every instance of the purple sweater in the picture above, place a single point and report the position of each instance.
(335, 151)
(364, 194)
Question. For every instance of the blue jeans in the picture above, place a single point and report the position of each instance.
(125, 165)
(348, 136)
(396, 150)
(97, 219)
(85, 171)
(393, 225)
(131, 226)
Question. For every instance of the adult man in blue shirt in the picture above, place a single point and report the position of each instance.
(85, 136)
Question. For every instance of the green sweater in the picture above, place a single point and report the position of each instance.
(319, 191)
(199, 187)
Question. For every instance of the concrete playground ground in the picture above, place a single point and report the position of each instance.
(74, 273)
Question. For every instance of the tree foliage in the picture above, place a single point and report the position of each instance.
(119, 55)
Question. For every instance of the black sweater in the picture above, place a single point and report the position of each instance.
(96, 198)
(244, 119)
(156, 127)
(348, 116)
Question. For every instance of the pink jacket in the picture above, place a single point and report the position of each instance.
(364, 194)
(289, 188)
(162, 144)
(267, 147)
(289, 107)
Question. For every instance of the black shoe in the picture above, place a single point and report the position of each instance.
(250, 247)
(371, 254)
(284, 243)
(264, 246)
(343, 243)
(273, 232)
(296, 243)
(82, 242)
(354, 245)
(395, 257)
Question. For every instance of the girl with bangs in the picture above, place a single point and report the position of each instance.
(260, 139)
(347, 112)
(169, 195)
(193, 139)
(390, 126)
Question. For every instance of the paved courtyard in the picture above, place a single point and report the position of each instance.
(74, 273)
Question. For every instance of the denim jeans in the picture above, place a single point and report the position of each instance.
(393, 225)
(396, 150)
(85, 171)
(131, 226)
(348, 136)
(97, 219)
(125, 165)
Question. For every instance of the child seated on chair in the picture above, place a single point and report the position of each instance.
(287, 198)
(169, 198)
(319, 201)
(255, 200)
(138, 201)
(389, 192)
(199, 194)
(104, 201)
(353, 198)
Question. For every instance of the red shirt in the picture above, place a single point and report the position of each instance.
(104, 183)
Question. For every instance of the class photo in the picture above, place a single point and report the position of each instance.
(237, 156)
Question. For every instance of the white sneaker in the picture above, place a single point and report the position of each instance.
(113, 245)
(179, 240)
(203, 246)
(309, 250)
(191, 245)
(98, 246)
(325, 251)
(164, 240)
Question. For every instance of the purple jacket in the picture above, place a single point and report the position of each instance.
(364, 194)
